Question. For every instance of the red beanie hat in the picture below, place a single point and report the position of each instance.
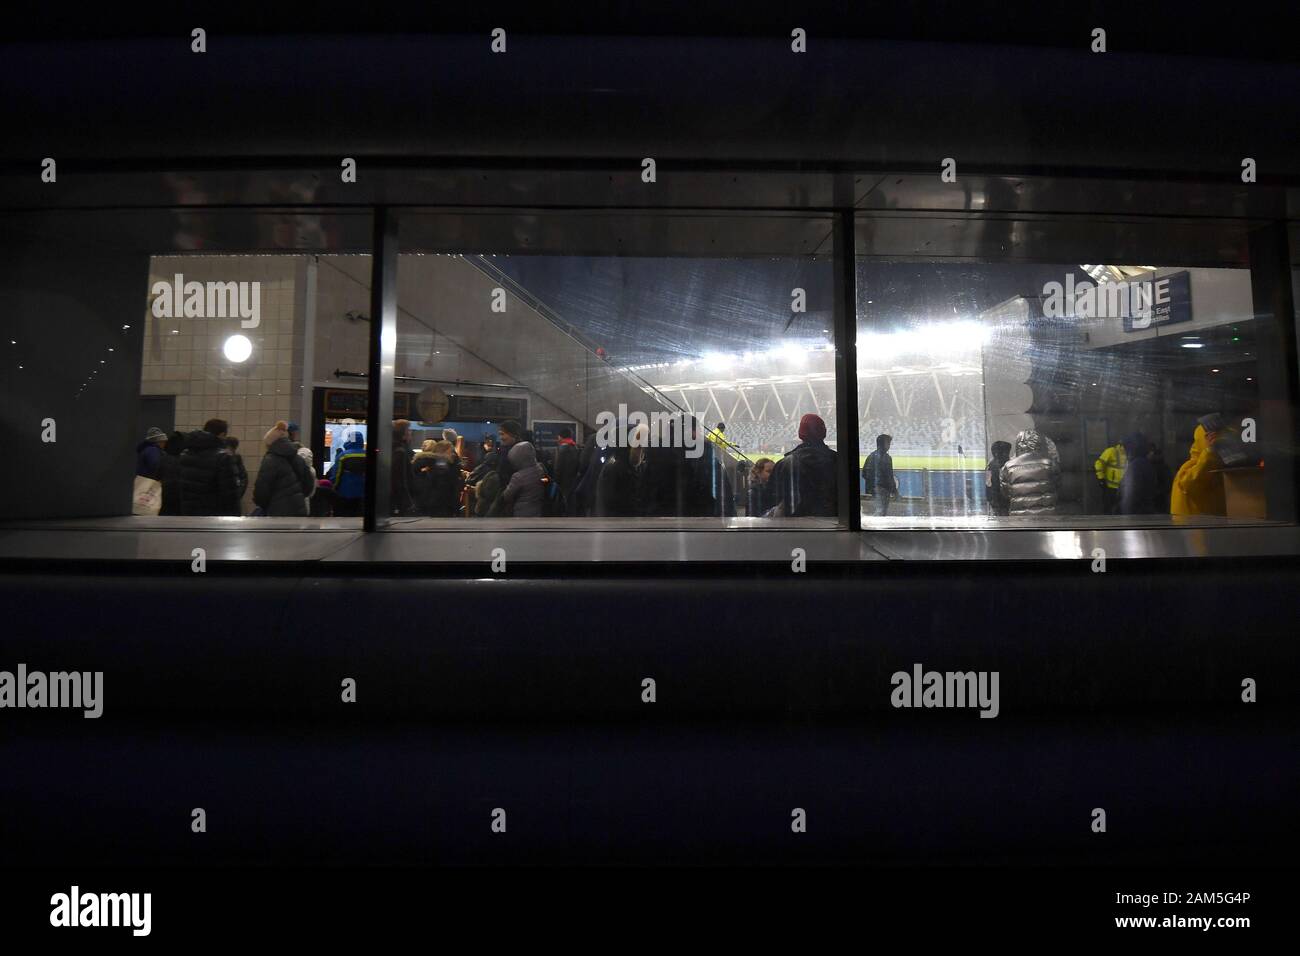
(812, 428)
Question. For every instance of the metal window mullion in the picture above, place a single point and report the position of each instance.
(382, 366)
(846, 369)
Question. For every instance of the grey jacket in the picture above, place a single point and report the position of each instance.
(523, 497)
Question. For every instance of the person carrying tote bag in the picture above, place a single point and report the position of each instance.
(147, 497)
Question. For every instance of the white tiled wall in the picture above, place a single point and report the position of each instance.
(183, 356)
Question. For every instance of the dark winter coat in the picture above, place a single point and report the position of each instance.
(401, 501)
(1137, 489)
(999, 503)
(661, 484)
(589, 466)
(321, 504)
(169, 473)
(486, 494)
(758, 497)
(241, 473)
(878, 474)
(504, 468)
(616, 493)
(435, 485)
(489, 463)
(284, 482)
(566, 473)
(804, 481)
(209, 482)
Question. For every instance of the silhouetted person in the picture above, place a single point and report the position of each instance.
(1138, 486)
(1032, 477)
(436, 480)
(566, 472)
(209, 480)
(803, 482)
(400, 500)
(758, 495)
(232, 449)
(284, 481)
(149, 454)
(994, 493)
(524, 495)
(878, 474)
(169, 473)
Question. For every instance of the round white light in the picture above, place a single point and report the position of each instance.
(238, 348)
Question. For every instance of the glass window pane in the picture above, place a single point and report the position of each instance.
(658, 369)
(1046, 394)
(165, 348)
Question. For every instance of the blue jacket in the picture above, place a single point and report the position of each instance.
(349, 473)
(148, 460)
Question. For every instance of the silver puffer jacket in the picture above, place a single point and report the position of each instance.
(1032, 475)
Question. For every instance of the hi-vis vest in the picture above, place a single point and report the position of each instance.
(1111, 465)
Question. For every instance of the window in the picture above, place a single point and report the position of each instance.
(1025, 393)
(152, 354)
(634, 370)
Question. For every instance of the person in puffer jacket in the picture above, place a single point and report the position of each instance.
(208, 478)
(284, 482)
(522, 496)
(1030, 479)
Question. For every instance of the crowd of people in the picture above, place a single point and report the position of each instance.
(202, 473)
(1132, 476)
(641, 478)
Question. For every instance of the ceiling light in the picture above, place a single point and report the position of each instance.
(237, 348)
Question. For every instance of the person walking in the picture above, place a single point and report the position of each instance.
(878, 475)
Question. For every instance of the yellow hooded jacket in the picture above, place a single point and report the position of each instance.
(1198, 487)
